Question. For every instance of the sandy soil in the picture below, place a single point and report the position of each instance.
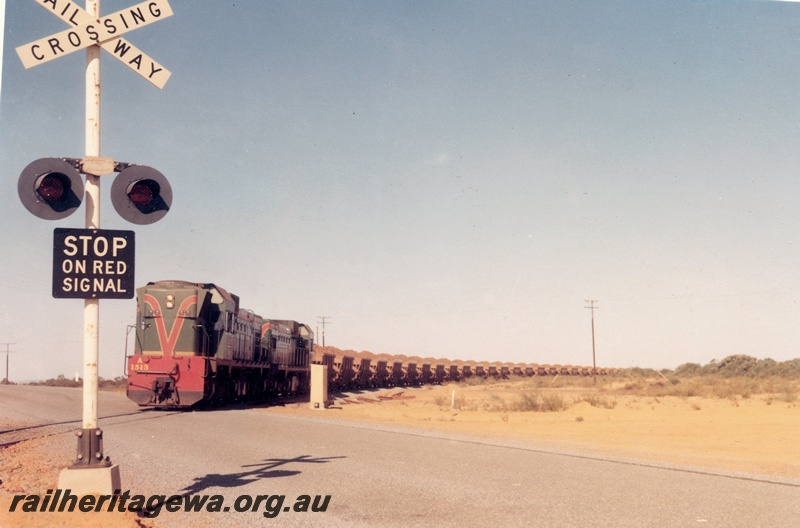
(757, 434)
(32, 467)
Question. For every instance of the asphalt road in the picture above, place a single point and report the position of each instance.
(39, 404)
(379, 476)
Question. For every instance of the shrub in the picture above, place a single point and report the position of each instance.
(740, 365)
(553, 403)
(495, 404)
(526, 401)
(460, 404)
(60, 381)
(737, 365)
(597, 401)
(688, 369)
(120, 382)
(442, 400)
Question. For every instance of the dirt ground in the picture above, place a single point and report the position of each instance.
(32, 467)
(757, 434)
(754, 434)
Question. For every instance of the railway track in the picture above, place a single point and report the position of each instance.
(10, 435)
(21, 433)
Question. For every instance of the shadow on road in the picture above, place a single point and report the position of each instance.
(263, 470)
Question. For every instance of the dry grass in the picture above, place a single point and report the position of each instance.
(554, 394)
(736, 422)
(733, 388)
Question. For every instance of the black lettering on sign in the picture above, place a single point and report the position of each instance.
(121, 49)
(87, 30)
(55, 46)
(110, 27)
(153, 70)
(92, 32)
(137, 15)
(134, 17)
(34, 50)
(154, 10)
(74, 39)
(93, 264)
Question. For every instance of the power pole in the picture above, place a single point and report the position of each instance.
(5, 381)
(324, 321)
(592, 307)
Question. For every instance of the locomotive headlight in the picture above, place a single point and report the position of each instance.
(170, 301)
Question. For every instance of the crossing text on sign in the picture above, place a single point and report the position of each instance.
(118, 47)
(91, 32)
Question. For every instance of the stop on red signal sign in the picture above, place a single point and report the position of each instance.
(93, 264)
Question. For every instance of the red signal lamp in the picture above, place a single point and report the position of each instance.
(141, 195)
(50, 188)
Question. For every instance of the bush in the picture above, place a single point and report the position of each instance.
(553, 403)
(120, 382)
(688, 370)
(597, 401)
(527, 401)
(741, 365)
(60, 381)
(737, 365)
(495, 404)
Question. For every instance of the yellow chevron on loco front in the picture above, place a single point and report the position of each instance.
(168, 341)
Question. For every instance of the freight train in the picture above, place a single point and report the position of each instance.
(195, 345)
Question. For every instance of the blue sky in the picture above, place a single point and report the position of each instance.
(446, 179)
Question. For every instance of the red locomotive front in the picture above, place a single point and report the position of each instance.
(170, 363)
(194, 344)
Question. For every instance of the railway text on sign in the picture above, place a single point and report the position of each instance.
(105, 31)
(92, 32)
(93, 264)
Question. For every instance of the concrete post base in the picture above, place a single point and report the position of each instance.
(93, 481)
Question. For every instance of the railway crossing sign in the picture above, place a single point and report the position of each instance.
(92, 264)
(105, 31)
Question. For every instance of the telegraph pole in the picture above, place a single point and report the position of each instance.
(323, 319)
(592, 307)
(6, 381)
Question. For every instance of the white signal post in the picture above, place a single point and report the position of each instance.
(91, 307)
(92, 32)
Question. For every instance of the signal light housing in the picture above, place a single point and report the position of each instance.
(141, 195)
(50, 188)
